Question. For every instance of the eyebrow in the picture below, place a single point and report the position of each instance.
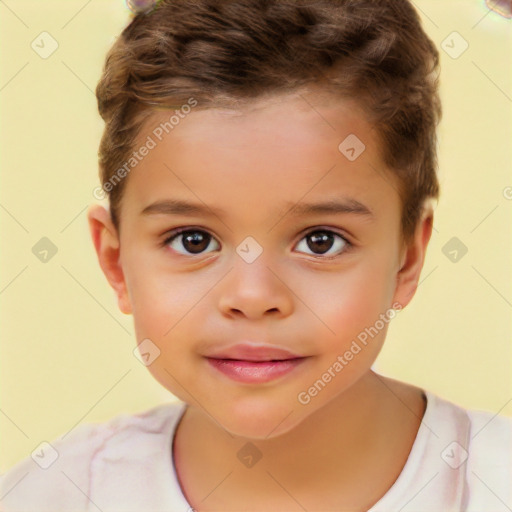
(333, 206)
(179, 207)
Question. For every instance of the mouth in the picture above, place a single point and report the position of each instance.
(255, 372)
(254, 363)
(254, 353)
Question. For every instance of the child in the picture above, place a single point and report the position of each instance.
(270, 168)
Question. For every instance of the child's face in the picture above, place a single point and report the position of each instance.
(310, 293)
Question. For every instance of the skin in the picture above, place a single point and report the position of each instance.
(345, 448)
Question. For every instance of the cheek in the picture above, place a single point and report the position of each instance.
(159, 299)
(163, 307)
(354, 301)
(161, 313)
(351, 307)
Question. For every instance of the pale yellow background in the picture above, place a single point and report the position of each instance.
(67, 352)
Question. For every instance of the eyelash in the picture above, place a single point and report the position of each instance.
(348, 245)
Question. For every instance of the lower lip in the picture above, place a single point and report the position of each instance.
(253, 372)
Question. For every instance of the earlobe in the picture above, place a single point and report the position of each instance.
(107, 245)
(413, 258)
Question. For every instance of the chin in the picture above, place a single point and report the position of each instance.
(258, 418)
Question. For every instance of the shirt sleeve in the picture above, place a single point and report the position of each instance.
(56, 477)
(489, 469)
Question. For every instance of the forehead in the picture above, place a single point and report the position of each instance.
(256, 160)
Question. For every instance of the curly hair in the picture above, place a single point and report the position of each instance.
(225, 53)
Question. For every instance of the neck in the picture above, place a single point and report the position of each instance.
(364, 435)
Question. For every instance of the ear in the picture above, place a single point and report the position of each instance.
(106, 242)
(412, 259)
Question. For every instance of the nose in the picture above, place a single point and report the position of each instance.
(254, 290)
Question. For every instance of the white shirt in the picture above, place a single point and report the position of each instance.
(461, 460)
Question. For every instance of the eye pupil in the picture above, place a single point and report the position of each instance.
(320, 240)
(197, 240)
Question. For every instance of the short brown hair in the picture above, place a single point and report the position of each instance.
(225, 52)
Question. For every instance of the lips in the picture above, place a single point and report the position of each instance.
(254, 353)
(254, 364)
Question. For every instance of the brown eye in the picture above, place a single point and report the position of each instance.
(192, 241)
(320, 242)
